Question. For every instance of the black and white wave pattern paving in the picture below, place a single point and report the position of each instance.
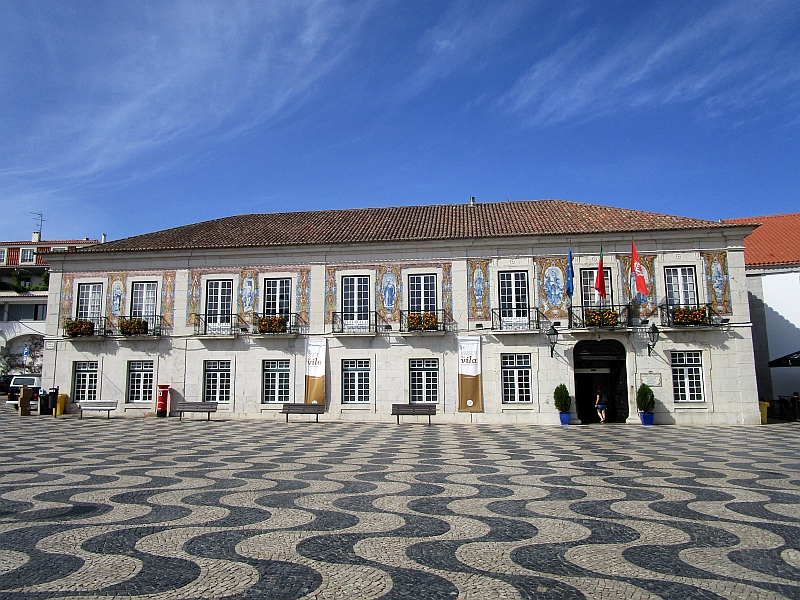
(162, 509)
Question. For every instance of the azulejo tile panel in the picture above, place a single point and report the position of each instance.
(718, 281)
(551, 276)
(647, 305)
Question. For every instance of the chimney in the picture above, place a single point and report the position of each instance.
(103, 239)
(36, 237)
(472, 200)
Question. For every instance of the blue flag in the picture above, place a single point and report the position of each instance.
(570, 274)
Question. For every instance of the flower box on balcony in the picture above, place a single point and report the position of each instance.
(133, 326)
(78, 328)
(690, 316)
(602, 317)
(423, 322)
(272, 324)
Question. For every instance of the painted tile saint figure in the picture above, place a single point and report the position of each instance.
(554, 285)
(478, 287)
(389, 289)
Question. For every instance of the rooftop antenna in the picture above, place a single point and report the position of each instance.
(39, 220)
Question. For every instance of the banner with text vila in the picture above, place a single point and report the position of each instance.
(470, 394)
(315, 370)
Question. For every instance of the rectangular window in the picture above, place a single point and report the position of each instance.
(424, 379)
(26, 312)
(681, 286)
(219, 305)
(276, 381)
(687, 377)
(26, 255)
(143, 298)
(589, 295)
(421, 293)
(355, 381)
(140, 381)
(217, 377)
(355, 303)
(85, 381)
(90, 299)
(516, 376)
(277, 295)
(2, 256)
(514, 299)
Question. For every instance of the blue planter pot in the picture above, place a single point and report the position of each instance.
(564, 418)
(647, 418)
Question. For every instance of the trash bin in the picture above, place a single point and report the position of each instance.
(61, 404)
(52, 400)
(763, 406)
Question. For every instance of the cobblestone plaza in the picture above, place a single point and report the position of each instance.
(159, 508)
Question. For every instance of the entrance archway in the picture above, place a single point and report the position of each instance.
(601, 363)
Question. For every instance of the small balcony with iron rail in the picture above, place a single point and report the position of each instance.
(358, 323)
(267, 324)
(219, 325)
(601, 316)
(140, 326)
(86, 328)
(515, 320)
(431, 321)
(689, 315)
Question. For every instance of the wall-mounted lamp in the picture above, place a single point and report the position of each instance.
(652, 335)
(552, 337)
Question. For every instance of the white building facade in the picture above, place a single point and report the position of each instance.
(224, 311)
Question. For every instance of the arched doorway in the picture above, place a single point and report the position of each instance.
(601, 363)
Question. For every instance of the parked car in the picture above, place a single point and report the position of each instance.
(15, 387)
(5, 380)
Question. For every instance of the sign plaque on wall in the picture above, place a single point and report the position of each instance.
(652, 379)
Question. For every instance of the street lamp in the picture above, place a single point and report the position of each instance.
(552, 337)
(652, 335)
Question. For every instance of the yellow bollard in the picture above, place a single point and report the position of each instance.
(61, 404)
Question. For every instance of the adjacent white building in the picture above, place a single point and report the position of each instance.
(224, 310)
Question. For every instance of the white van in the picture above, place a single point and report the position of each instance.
(15, 387)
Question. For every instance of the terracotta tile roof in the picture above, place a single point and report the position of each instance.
(776, 242)
(404, 223)
(50, 243)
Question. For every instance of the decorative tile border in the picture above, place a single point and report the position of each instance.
(551, 276)
(478, 287)
(718, 281)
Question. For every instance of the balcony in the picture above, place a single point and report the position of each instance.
(366, 323)
(146, 326)
(422, 322)
(607, 316)
(515, 319)
(87, 327)
(219, 325)
(270, 324)
(689, 315)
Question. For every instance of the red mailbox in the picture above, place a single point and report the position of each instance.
(163, 400)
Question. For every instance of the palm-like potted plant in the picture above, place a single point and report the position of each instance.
(562, 402)
(645, 403)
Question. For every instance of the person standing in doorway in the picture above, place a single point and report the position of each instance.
(601, 403)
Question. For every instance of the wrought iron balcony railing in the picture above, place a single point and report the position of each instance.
(688, 315)
(86, 327)
(609, 316)
(515, 319)
(357, 322)
(432, 320)
(150, 325)
(226, 324)
(271, 324)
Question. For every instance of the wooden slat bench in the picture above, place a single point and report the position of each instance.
(297, 408)
(101, 405)
(206, 407)
(413, 409)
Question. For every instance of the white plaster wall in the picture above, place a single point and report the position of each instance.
(782, 312)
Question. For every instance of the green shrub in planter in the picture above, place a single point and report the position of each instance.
(561, 399)
(645, 399)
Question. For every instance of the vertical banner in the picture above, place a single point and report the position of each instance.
(315, 370)
(470, 396)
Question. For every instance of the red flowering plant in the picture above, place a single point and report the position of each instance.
(423, 321)
(690, 316)
(133, 326)
(272, 324)
(78, 328)
(602, 317)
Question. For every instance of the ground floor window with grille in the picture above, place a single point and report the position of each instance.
(85, 382)
(217, 379)
(516, 375)
(424, 380)
(355, 381)
(140, 381)
(687, 377)
(276, 381)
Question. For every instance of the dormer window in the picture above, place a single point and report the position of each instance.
(27, 255)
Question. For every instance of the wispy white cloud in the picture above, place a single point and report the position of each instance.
(729, 58)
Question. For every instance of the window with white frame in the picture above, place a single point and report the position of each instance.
(143, 298)
(140, 381)
(514, 298)
(84, 387)
(687, 376)
(219, 305)
(277, 296)
(422, 293)
(2, 256)
(27, 255)
(276, 381)
(424, 380)
(516, 377)
(90, 301)
(589, 295)
(355, 302)
(681, 286)
(355, 381)
(217, 378)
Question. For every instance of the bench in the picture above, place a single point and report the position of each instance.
(413, 409)
(297, 408)
(206, 407)
(100, 405)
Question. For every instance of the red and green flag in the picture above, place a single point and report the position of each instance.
(638, 271)
(600, 278)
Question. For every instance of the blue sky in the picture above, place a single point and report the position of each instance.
(130, 117)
